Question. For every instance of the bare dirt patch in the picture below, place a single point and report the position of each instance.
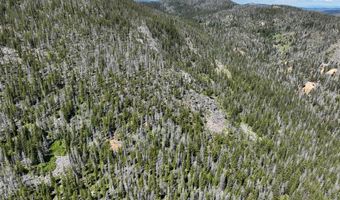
(115, 144)
(309, 87)
(332, 72)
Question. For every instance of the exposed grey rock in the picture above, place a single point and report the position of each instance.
(63, 163)
(34, 181)
(151, 42)
(216, 121)
(215, 118)
(199, 102)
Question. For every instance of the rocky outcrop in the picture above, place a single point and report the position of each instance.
(216, 122)
(147, 38)
(35, 181)
(215, 118)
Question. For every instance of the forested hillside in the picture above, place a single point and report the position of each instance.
(111, 99)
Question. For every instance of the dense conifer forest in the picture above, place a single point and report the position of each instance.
(192, 99)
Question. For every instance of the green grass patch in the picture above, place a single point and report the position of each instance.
(48, 166)
(58, 148)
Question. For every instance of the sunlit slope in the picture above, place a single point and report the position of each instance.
(111, 99)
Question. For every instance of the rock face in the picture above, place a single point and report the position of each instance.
(215, 118)
(309, 87)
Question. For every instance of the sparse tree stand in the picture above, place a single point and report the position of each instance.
(105, 86)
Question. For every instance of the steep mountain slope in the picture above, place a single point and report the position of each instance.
(111, 99)
(288, 45)
(77, 74)
(285, 44)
